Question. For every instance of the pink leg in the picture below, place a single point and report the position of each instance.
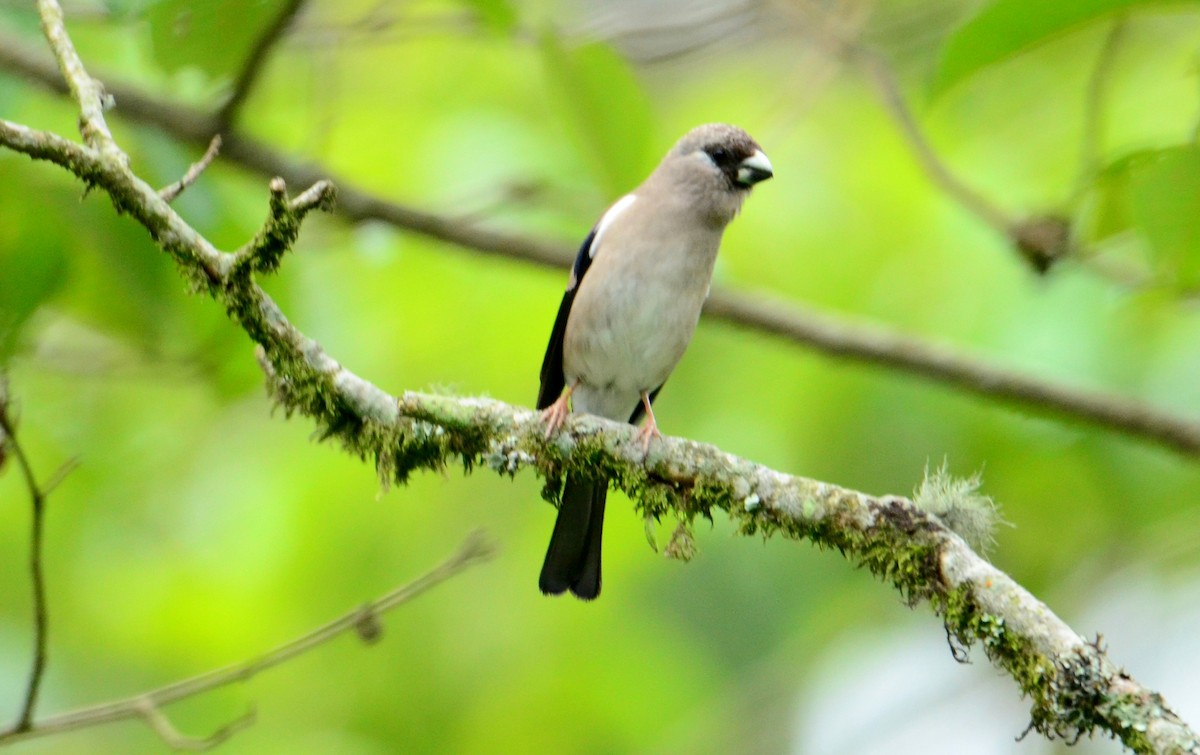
(556, 414)
(650, 429)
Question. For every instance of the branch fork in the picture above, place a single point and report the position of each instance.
(1073, 687)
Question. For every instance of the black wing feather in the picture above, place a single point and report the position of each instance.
(553, 379)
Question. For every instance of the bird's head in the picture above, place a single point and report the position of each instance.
(714, 166)
(726, 152)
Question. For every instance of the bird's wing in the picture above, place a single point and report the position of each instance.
(553, 379)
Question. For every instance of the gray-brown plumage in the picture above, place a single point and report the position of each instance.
(631, 306)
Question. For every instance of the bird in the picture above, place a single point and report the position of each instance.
(632, 302)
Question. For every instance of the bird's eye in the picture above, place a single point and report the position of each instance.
(719, 155)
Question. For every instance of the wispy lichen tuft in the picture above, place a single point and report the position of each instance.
(959, 504)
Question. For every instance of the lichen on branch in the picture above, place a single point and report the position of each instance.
(1074, 688)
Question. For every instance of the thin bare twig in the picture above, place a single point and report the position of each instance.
(838, 39)
(41, 617)
(176, 740)
(953, 186)
(1074, 687)
(256, 62)
(169, 193)
(1042, 239)
(320, 196)
(474, 550)
(37, 576)
(57, 476)
(866, 343)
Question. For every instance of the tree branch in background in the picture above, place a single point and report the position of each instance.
(870, 344)
(1074, 688)
(256, 62)
(841, 337)
(148, 706)
(37, 577)
(170, 193)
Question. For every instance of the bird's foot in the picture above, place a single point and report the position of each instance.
(556, 414)
(648, 432)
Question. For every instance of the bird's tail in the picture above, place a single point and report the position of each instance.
(573, 558)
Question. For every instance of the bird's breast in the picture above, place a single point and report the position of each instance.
(631, 321)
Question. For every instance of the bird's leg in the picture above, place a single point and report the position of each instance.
(556, 414)
(650, 429)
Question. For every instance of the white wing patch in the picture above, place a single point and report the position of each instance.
(607, 219)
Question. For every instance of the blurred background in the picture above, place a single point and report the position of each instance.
(200, 528)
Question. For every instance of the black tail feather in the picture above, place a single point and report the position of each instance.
(573, 558)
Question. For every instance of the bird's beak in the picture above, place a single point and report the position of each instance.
(754, 168)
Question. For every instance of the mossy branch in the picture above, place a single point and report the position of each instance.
(835, 336)
(1074, 688)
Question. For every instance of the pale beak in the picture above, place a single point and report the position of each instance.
(754, 168)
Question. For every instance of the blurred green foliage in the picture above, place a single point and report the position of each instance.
(200, 529)
(188, 34)
(1156, 192)
(1004, 28)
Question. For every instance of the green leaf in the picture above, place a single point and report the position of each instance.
(127, 9)
(22, 18)
(1157, 193)
(1007, 27)
(1165, 199)
(605, 105)
(33, 260)
(497, 15)
(213, 35)
(1113, 211)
